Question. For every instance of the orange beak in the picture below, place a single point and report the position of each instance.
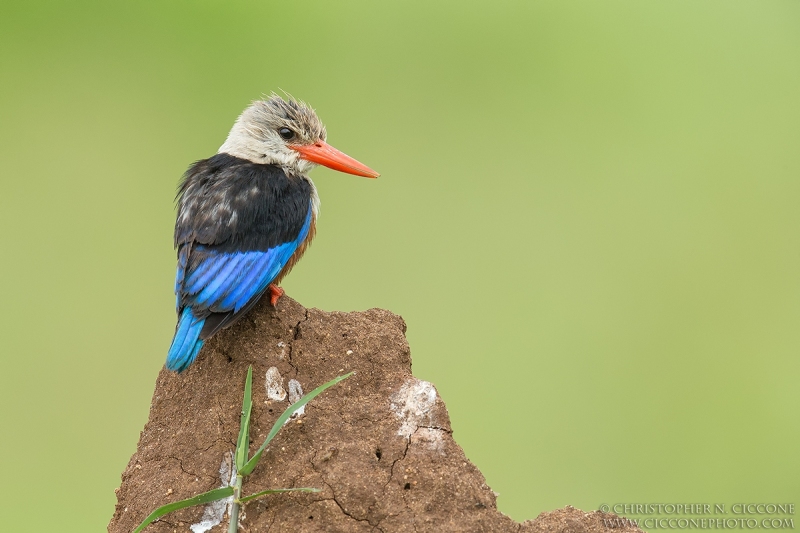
(324, 154)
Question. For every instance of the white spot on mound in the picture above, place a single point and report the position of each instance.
(282, 346)
(430, 436)
(412, 405)
(275, 390)
(215, 511)
(295, 393)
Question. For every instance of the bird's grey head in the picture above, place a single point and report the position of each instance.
(266, 131)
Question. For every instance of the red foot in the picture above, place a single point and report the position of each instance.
(275, 294)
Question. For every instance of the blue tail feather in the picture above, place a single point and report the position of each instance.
(186, 343)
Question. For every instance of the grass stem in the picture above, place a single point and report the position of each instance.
(233, 525)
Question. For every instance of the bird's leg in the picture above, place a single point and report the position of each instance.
(275, 294)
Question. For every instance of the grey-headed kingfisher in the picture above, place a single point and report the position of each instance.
(246, 216)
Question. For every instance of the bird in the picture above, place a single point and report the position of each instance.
(245, 216)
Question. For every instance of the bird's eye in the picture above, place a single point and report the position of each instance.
(286, 133)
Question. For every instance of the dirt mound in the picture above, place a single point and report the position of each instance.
(379, 444)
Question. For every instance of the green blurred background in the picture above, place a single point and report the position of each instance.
(588, 216)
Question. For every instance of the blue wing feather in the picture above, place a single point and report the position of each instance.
(204, 273)
(250, 283)
(222, 280)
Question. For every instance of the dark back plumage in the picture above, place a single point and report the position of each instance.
(233, 205)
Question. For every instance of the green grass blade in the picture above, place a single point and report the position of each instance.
(206, 497)
(251, 464)
(246, 499)
(243, 442)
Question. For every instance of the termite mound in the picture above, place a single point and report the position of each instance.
(379, 445)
